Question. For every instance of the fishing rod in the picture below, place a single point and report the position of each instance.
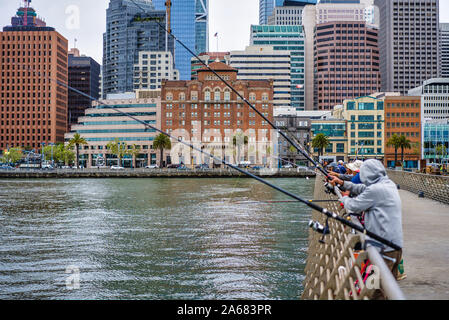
(283, 201)
(310, 204)
(300, 149)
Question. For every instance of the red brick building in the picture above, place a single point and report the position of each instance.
(346, 62)
(33, 108)
(207, 113)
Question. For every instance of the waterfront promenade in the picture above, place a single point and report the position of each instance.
(152, 173)
(426, 248)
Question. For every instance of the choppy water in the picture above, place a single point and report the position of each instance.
(152, 239)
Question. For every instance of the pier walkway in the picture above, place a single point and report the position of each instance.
(426, 248)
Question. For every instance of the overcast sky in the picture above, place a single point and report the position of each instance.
(230, 18)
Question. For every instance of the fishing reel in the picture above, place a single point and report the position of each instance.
(329, 189)
(318, 227)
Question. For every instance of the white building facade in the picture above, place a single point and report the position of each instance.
(265, 63)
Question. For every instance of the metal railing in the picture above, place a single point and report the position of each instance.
(335, 269)
(429, 186)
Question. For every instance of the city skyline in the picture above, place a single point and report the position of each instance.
(85, 21)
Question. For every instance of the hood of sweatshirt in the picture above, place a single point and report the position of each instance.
(372, 171)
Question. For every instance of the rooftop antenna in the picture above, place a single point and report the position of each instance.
(26, 5)
(168, 17)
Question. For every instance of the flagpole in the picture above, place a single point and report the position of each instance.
(216, 35)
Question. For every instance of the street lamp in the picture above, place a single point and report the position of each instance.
(52, 145)
(42, 152)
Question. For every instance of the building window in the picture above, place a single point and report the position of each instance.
(227, 95)
(207, 95)
(217, 95)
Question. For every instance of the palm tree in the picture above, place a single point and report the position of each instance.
(320, 142)
(441, 150)
(239, 140)
(76, 141)
(162, 142)
(118, 148)
(394, 142)
(404, 143)
(134, 151)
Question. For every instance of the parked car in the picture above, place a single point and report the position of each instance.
(117, 168)
(173, 166)
(6, 167)
(47, 167)
(183, 167)
(152, 166)
(256, 168)
(66, 167)
(202, 166)
(287, 166)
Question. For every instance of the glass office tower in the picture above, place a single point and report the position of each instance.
(290, 38)
(129, 30)
(190, 24)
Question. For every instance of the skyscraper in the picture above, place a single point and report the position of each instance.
(444, 50)
(84, 75)
(324, 13)
(190, 24)
(265, 10)
(408, 43)
(130, 29)
(290, 38)
(346, 62)
(33, 109)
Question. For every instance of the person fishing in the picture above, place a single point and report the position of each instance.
(352, 172)
(341, 167)
(378, 197)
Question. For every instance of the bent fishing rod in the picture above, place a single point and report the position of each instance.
(310, 204)
(300, 149)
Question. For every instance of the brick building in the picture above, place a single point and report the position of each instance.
(346, 62)
(403, 117)
(206, 113)
(33, 108)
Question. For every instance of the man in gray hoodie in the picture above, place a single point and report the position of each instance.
(378, 197)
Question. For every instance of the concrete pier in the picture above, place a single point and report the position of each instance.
(426, 248)
(152, 173)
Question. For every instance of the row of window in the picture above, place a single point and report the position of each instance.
(216, 95)
(169, 123)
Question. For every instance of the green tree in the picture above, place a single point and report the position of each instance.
(320, 142)
(134, 152)
(404, 143)
(395, 143)
(65, 154)
(239, 140)
(441, 151)
(162, 142)
(76, 141)
(12, 155)
(118, 148)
